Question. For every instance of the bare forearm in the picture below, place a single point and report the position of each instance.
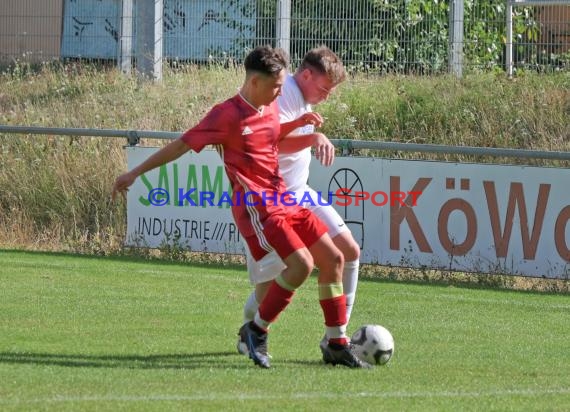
(312, 118)
(288, 127)
(295, 143)
(168, 153)
(324, 149)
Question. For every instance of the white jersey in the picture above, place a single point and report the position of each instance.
(294, 167)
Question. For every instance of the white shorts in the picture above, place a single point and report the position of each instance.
(271, 265)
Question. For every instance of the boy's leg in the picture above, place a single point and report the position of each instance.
(310, 231)
(280, 291)
(333, 302)
(330, 261)
(343, 240)
(249, 311)
(289, 235)
(278, 232)
(271, 265)
(351, 253)
(261, 273)
(278, 296)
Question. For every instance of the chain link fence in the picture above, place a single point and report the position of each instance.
(378, 36)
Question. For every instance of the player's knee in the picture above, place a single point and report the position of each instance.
(336, 261)
(302, 264)
(348, 246)
(351, 252)
(306, 264)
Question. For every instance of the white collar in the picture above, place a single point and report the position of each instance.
(258, 110)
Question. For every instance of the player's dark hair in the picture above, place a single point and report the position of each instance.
(266, 60)
(325, 61)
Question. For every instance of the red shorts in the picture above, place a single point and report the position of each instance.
(288, 233)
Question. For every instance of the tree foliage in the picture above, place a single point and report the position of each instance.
(405, 36)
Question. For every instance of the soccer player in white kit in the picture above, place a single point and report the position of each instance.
(316, 78)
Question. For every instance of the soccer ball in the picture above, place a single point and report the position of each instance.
(373, 344)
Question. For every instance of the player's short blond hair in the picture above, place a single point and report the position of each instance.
(325, 61)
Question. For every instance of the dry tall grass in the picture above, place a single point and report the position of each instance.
(54, 190)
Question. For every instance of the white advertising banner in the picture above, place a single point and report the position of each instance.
(454, 216)
(164, 207)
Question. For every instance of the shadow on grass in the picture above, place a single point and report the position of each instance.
(222, 360)
(167, 361)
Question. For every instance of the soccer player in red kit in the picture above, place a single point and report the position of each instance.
(245, 130)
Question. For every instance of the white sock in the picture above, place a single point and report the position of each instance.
(349, 284)
(250, 308)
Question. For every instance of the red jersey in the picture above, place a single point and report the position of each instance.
(247, 140)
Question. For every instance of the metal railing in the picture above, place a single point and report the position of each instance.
(134, 136)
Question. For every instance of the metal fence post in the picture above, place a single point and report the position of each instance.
(126, 38)
(509, 45)
(283, 25)
(456, 37)
(149, 38)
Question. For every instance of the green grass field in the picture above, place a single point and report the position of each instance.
(87, 333)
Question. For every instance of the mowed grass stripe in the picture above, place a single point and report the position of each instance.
(529, 392)
(93, 333)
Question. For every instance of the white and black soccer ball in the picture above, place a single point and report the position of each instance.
(373, 344)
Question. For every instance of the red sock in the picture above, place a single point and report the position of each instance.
(334, 310)
(275, 302)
